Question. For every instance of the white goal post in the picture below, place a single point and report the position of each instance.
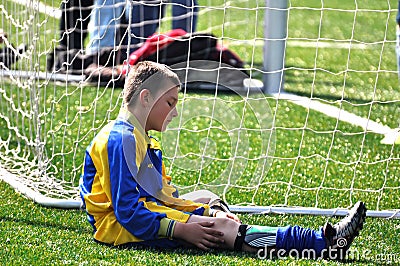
(308, 125)
(52, 202)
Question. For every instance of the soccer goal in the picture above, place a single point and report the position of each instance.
(309, 124)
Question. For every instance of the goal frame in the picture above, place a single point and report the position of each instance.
(45, 201)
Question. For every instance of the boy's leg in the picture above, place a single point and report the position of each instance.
(207, 197)
(330, 242)
(341, 235)
(305, 242)
(227, 226)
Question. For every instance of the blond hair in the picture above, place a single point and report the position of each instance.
(148, 75)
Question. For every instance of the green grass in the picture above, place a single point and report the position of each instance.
(316, 160)
(35, 235)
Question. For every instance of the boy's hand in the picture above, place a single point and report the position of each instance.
(229, 215)
(200, 234)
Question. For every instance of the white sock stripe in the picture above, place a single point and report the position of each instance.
(264, 241)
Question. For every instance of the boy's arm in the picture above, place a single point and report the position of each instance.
(182, 204)
(129, 209)
(144, 219)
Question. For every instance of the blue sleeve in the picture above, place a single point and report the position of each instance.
(129, 212)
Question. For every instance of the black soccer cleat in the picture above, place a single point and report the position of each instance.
(10, 55)
(340, 236)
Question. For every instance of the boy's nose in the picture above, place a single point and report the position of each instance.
(174, 112)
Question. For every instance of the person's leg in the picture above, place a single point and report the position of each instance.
(398, 47)
(104, 25)
(145, 19)
(64, 23)
(86, 10)
(184, 15)
(202, 196)
(228, 226)
(241, 237)
(329, 242)
(73, 23)
(207, 197)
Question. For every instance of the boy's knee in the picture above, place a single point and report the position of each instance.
(226, 223)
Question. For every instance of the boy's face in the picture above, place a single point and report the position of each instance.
(163, 110)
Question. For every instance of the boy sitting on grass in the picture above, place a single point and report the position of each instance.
(129, 198)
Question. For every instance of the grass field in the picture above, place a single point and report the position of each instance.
(34, 235)
(317, 160)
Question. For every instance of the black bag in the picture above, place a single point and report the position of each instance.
(198, 46)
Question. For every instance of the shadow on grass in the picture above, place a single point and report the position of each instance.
(192, 251)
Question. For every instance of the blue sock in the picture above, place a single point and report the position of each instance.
(297, 241)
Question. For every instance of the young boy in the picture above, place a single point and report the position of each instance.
(129, 198)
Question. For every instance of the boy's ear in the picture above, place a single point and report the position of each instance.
(145, 97)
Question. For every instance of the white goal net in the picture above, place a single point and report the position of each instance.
(286, 106)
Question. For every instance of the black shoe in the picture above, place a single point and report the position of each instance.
(104, 75)
(340, 236)
(67, 61)
(10, 55)
(21, 48)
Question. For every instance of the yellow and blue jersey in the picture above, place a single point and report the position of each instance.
(124, 187)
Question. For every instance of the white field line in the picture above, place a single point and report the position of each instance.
(342, 44)
(328, 44)
(390, 135)
(54, 12)
(42, 75)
